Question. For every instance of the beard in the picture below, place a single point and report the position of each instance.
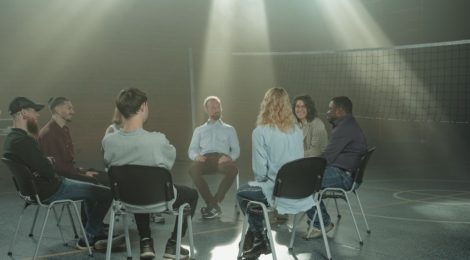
(215, 116)
(32, 127)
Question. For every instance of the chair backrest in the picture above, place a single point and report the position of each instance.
(299, 178)
(141, 185)
(359, 174)
(22, 178)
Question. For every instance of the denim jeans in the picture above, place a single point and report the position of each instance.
(97, 201)
(332, 178)
(246, 193)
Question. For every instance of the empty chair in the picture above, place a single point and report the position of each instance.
(338, 193)
(156, 193)
(25, 186)
(295, 180)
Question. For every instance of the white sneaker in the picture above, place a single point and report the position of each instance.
(316, 233)
(157, 218)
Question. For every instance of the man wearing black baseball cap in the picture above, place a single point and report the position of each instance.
(21, 146)
(20, 103)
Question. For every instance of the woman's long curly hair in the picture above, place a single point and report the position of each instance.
(276, 110)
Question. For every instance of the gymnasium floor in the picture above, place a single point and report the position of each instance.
(418, 209)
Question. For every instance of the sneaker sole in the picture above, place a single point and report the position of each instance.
(147, 255)
(211, 216)
(83, 247)
(118, 241)
(319, 234)
(174, 256)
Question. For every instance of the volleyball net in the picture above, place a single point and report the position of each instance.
(425, 83)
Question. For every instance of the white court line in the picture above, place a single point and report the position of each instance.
(418, 219)
(421, 180)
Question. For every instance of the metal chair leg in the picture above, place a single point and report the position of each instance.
(42, 231)
(354, 219)
(127, 237)
(57, 218)
(237, 207)
(10, 250)
(190, 234)
(244, 230)
(269, 231)
(110, 234)
(362, 211)
(72, 222)
(337, 208)
(180, 229)
(294, 229)
(322, 226)
(90, 253)
(310, 226)
(34, 220)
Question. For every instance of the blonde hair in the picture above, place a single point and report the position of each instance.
(276, 110)
(117, 117)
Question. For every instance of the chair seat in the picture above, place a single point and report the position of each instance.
(27, 190)
(296, 180)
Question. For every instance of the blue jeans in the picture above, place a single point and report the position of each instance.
(246, 193)
(97, 201)
(332, 178)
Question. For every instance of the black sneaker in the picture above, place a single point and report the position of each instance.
(210, 212)
(170, 251)
(146, 248)
(81, 244)
(260, 246)
(249, 238)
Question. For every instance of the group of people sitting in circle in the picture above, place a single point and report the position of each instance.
(284, 132)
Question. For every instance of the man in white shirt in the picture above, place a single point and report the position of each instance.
(214, 148)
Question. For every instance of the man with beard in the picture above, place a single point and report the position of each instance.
(21, 146)
(55, 141)
(343, 154)
(214, 148)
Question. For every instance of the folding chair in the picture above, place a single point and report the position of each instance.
(26, 188)
(338, 193)
(295, 180)
(145, 189)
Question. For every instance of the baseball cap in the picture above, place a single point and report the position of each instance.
(19, 103)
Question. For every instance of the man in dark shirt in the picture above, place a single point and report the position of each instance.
(55, 141)
(20, 145)
(346, 146)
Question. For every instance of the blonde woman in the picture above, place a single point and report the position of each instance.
(276, 141)
(116, 123)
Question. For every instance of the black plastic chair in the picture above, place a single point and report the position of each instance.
(338, 193)
(297, 179)
(26, 188)
(145, 189)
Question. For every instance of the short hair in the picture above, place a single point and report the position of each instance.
(209, 98)
(344, 103)
(129, 100)
(276, 110)
(56, 101)
(309, 104)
